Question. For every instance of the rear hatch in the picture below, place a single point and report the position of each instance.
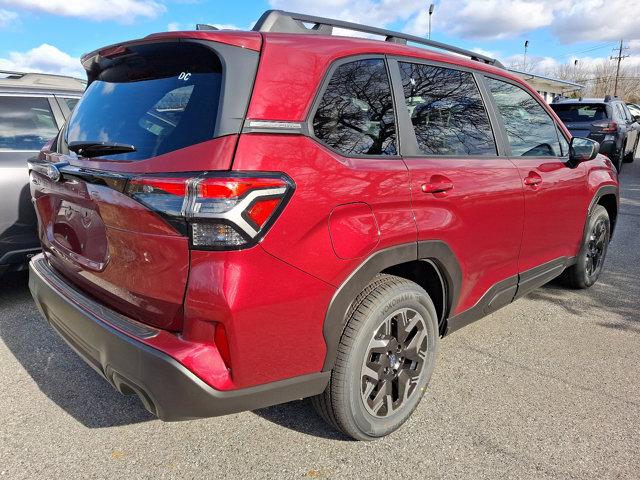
(587, 120)
(110, 209)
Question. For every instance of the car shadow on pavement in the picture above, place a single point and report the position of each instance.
(300, 417)
(59, 373)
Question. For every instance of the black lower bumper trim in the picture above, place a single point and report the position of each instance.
(166, 387)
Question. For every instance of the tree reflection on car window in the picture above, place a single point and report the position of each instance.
(355, 115)
(530, 129)
(446, 110)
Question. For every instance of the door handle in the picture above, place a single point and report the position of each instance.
(437, 185)
(533, 179)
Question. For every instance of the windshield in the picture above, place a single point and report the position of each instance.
(158, 98)
(580, 112)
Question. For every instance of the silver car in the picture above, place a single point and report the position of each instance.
(33, 107)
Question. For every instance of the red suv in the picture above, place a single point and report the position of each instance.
(232, 220)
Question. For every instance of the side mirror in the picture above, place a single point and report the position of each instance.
(583, 149)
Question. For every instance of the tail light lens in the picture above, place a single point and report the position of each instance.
(606, 127)
(220, 213)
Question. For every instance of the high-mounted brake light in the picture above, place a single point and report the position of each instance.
(227, 212)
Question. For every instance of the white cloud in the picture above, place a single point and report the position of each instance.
(569, 20)
(45, 59)
(598, 20)
(7, 18)
(124, 11)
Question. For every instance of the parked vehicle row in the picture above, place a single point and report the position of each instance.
(33, 107)
(231, 220)
(608, 121)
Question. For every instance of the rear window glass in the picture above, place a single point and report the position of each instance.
(158, 98)
(26, 123)
(580, 112)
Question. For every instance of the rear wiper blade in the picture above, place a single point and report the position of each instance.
(97, 149)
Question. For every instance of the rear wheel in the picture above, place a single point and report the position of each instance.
(590, 261)
(630, 157)
(617, 159)
(385, 359)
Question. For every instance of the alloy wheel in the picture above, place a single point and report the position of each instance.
(393, 362)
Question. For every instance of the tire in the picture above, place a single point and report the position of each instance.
(632, 154)
(371, 393)
(590, 261)
(628, 157)
(617, 159)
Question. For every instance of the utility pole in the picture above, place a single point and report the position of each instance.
(524, 59)
(619, 59)
(431, 7)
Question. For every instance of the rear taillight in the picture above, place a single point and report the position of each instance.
(606, 127)
(221, 212)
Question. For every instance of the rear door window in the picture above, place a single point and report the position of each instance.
(157, 98)
(26, 123)
(355, 116)
(530, 129)
(447, 112)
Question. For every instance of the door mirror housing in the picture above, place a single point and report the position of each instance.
(582, 149)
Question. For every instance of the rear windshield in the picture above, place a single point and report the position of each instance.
(580, 112)
(156, 97)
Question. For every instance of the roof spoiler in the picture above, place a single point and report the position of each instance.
(289, 22)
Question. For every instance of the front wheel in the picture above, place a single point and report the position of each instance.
(590, 261)
(385, 359)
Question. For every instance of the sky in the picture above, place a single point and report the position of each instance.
(50, 35)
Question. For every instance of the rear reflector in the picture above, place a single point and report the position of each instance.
(223, 212)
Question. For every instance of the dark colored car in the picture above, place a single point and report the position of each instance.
(236, 219)
(608, 121)
(33, 107)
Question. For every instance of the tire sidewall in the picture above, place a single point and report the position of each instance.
(403, 297)
(584, 279)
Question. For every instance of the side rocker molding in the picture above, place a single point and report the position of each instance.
(505, 292)
(436, 251)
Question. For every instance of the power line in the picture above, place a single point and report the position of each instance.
(597, 47)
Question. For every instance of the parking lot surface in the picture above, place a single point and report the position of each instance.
(545, 388)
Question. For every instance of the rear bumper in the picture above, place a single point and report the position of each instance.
(166, 388)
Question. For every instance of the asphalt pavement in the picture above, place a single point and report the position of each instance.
(548, 387)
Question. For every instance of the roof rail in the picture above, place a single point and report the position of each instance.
(289, 22)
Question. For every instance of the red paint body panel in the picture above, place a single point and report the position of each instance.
(480, 218)
(354, 230)
(323, 181)
(128, 257)
(556, 209)
(273, 313)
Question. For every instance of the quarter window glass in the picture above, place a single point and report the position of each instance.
(26, 123)
(355, 115)
(446, 110)
(71, 102)
(530, 129)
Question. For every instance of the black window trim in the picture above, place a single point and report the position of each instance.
(308, 123)
(543, 104)
(407, 133)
